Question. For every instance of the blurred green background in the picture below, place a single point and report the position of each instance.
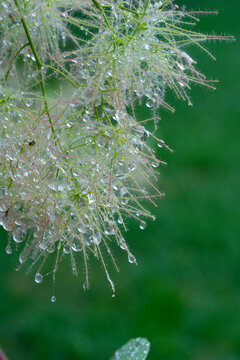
(184, 295)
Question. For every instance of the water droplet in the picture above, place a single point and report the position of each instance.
(111, 282)
(125, 201)
(131, 258)
(53, 299)
(38, 278)
(182, 84)
(189, 60)
(120, 220)
(113, 295)
(85, 286)
(143, 225)
(29, 102)
(66, 249)
(97, 239)
(8, 249)
(51, 248)
(122, 243)
(76, 246)
(181, 67)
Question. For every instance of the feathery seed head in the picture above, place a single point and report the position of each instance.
(74, 166)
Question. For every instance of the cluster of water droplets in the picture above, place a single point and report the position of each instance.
(69, 192)
(133, 59)
(75, 167)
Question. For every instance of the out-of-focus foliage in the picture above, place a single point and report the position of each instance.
(135, 349)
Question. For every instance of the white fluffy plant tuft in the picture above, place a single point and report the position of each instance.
(74, 164)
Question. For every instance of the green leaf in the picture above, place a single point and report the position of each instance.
(135, 349)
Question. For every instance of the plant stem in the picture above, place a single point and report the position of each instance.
(38, 62)
(12, 61)
(61, 73)
(99, 6)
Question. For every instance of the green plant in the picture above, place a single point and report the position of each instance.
(135, 349)
(76, 164)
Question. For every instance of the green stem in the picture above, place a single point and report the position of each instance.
(38, 62)
(129, 10)
(99, 6)
(145, 6)
(12, 61)
(165, 4)
(61, 73)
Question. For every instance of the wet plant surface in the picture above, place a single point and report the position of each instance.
(184, 294)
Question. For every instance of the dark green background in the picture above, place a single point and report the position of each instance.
(184, 295)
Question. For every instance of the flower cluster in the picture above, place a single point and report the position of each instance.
(74, 166)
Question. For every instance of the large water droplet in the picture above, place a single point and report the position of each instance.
(122, 243)
(97, 239)
(143, 225)
(132, 258)
(38, 278)
(76, 246)
(120, 220)
(8, 249)
(53, 299)
(181, 67)
(66, 249)
(85, 286)
(29, 102)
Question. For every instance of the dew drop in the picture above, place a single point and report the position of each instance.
(53, 299)
(29, 102)
(76, 247)
(85, 286)
(97, 239)
(66, 249)
(38, 278)
(131, 258)
(120, 220)
(143, 225)
(122, 243)
(8, 249)
(111, 282)
(181, 67)
(21, 259)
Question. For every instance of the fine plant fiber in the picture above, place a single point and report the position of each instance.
(76, 164)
